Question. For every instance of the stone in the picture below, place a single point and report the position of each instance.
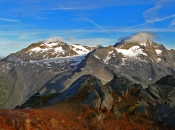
(143, 103)
(166, 114)
(140, 110)
(162, 111)
(93, 100)
(106, 97)
(147, 97)
(152, 89)
(172, 101)
(116, 112)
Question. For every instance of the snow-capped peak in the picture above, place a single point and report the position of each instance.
(53, 49)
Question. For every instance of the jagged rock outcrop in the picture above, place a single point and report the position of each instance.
(151, 102)
(96, 95)
(93, 99)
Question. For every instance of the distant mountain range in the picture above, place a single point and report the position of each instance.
(51, 67)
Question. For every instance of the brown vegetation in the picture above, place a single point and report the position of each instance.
(72, 116)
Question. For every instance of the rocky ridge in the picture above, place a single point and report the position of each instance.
(155, 102)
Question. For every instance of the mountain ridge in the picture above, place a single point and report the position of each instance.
(138, 63)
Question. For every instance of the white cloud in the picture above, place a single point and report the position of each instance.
(9, 20)
(53, 39)
(140, 36)
(151, 13)
(172, 23)
(161, 19)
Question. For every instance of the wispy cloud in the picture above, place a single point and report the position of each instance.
(172, 23)
(152, 15)
(134, 26)
(61, 7)
(9, 20)
(98, 26)
(161, 19)
(155, 20)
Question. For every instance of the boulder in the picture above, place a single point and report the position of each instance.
(93, 100)
(167, 80)
(166, 114)
(141, 110)
(80, 88)
(143, 103)
(106, 97)
(147, 97)
(116, 112)
(162, 111)
(153, 90)
(171, 101)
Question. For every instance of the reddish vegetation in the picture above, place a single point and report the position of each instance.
(70, 116)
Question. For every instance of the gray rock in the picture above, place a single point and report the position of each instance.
(172, 101)
(163, 111)
(147, 97)
(140, 110)
(166, 114)
(143, 103)
(106, 97)
(81, 88)
(93, 100)
(116, 112)
(153, 90)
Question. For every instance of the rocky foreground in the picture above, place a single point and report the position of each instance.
(87, 104)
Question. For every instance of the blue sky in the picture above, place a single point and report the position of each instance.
(23, 22)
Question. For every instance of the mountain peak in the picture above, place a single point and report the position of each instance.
(51, 48)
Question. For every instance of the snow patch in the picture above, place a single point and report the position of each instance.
(60, 50)
(80, 50)
(96, 57)
(123, 61)
(158, 51)
(143, 43)
(132, 52)
(158, 59)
